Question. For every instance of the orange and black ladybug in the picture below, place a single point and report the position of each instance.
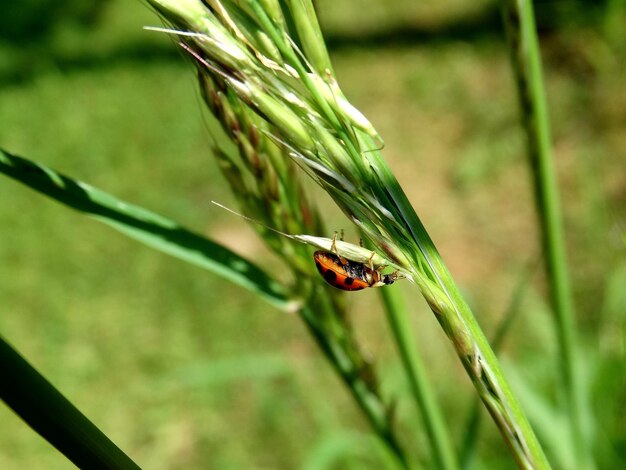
(350, 275)
(338, 271)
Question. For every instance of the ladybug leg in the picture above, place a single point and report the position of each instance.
(376, 275)
(371, 265)
(333, 248)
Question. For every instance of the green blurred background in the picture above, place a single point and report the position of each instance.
(184, 370)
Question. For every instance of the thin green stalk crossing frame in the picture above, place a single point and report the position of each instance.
(398, 319)
(51, 415)
(470, 343)
(520, 24)
(374, 410)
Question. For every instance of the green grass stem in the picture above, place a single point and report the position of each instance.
(472, 428)
(423, 394)
(50, 414)
(520, 22)
(459, 323)
(374, 409)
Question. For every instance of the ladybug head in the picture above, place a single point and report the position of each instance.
(391, 278)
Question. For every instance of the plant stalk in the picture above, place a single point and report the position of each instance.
(398, 318)
(376, 412)
(520, 24)
(51, 415)
(468, 339)
(472, 428)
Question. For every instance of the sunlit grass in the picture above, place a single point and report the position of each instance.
(76, 296)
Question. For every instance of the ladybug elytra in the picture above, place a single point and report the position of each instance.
(350, 275)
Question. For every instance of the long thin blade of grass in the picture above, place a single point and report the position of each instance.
(521, 30)
(469, 340)
(472, 428)
(441, 446)
(147, 227)
(49, 413)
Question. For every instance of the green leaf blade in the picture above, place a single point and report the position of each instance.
(53, 417)
(147, 227)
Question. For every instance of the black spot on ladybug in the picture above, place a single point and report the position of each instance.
(330, 276)
(349, 281)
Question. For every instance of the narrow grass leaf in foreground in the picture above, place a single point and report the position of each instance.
(149, 228)
(49, 413)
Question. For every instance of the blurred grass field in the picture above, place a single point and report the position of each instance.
(184, 370)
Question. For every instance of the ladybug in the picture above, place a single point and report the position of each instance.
(350, 275)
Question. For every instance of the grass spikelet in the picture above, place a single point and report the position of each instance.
(323, 134)
(260, 111)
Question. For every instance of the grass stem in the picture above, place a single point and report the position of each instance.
(376, 412)
(398, 318)
(468, 339)
(51, 415)
(520, 22)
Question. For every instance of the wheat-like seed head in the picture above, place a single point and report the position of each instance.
(300, 107)
(279, 70)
